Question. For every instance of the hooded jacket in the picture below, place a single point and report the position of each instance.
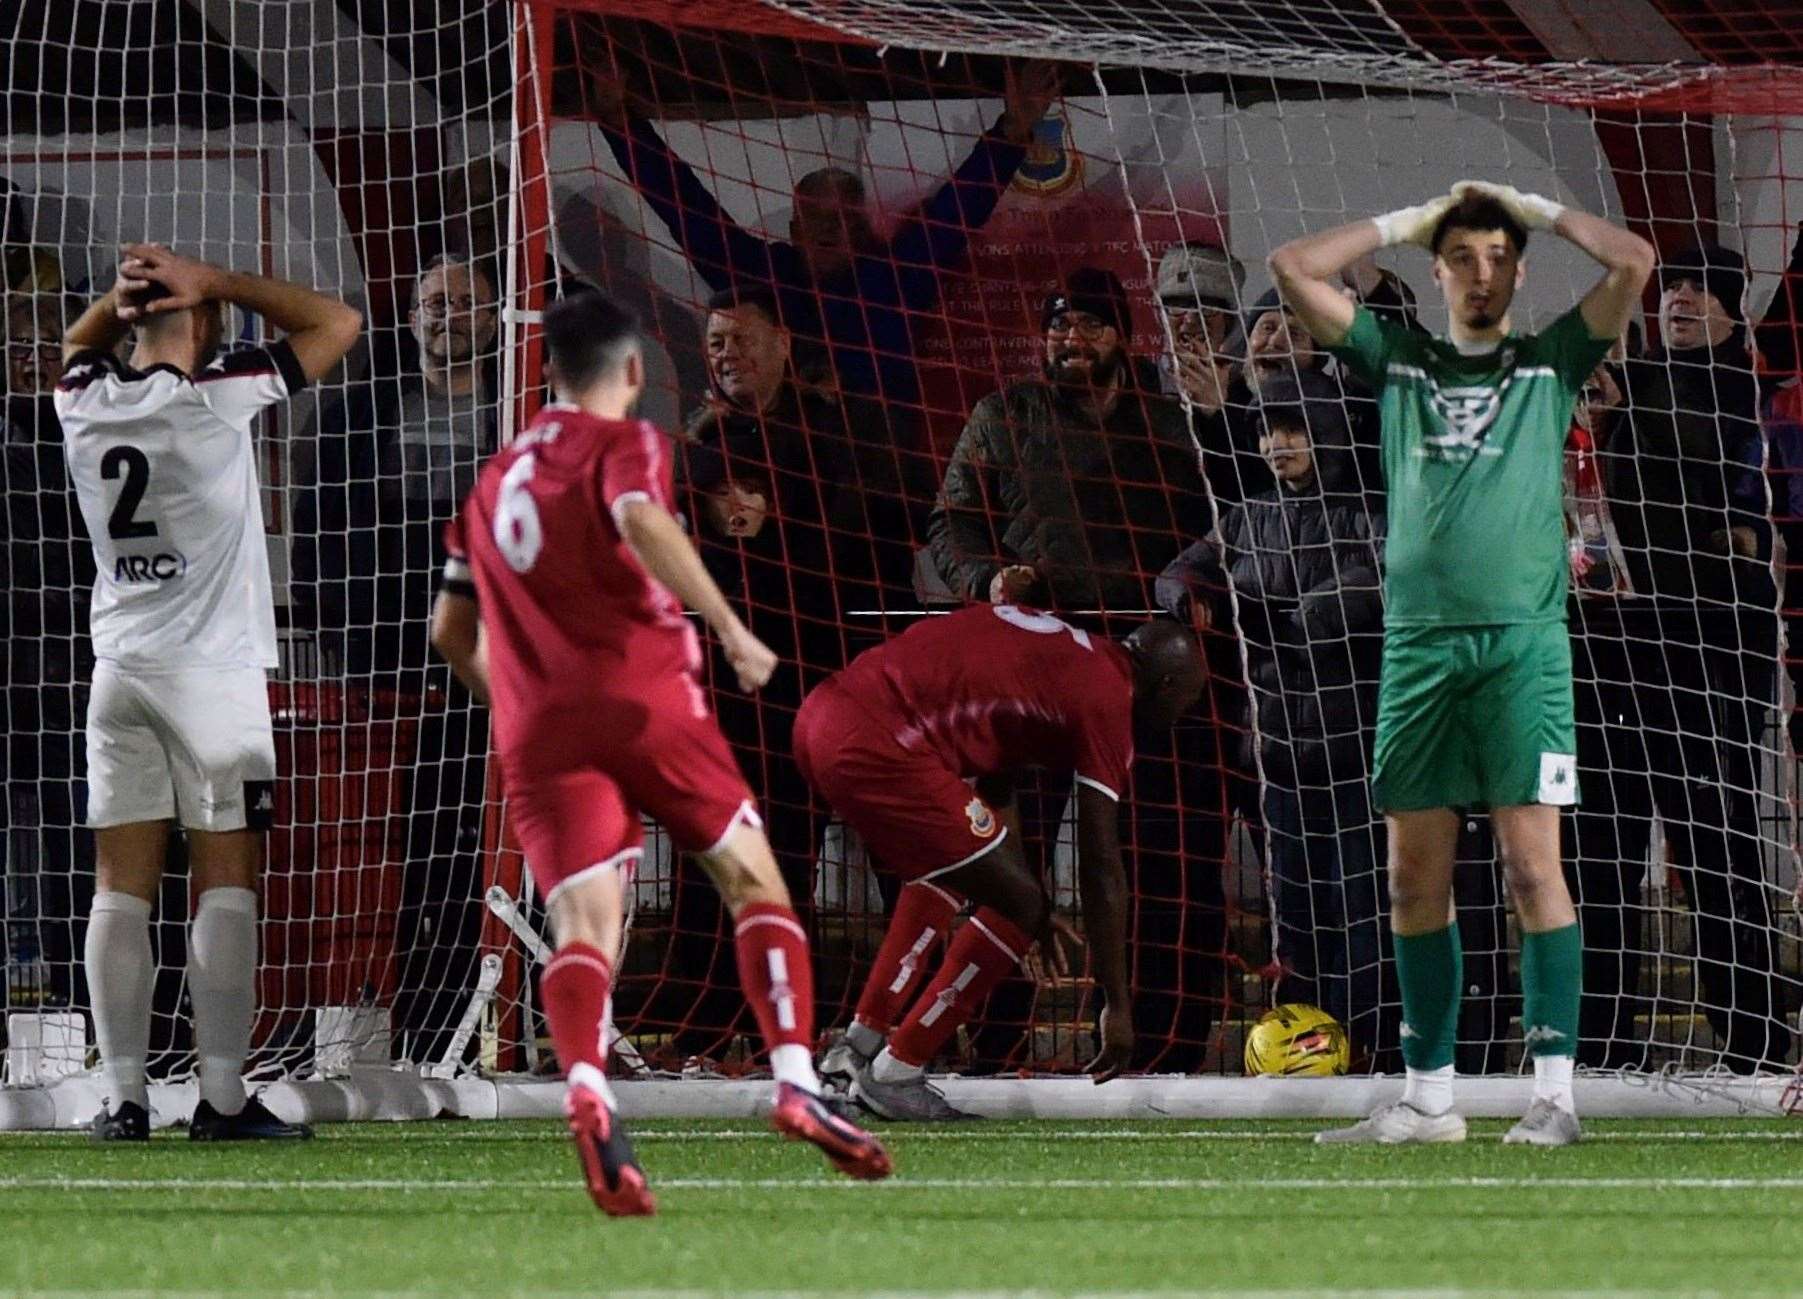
(1299, 570)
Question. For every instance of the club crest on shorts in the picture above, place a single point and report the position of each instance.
(982, 820)
(1558, 779)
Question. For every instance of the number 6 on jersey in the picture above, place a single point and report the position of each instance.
(518, 534)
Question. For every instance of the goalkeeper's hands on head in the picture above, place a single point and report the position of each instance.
(1534, 211)
(1413, 225)
(1416, 225)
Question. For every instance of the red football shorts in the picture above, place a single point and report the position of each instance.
(659, 753)
(917, 816)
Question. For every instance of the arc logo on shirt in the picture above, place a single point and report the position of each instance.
(982, 820)
(1467, 415)
(139, 569)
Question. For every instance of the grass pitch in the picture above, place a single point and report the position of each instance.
(494, 1209)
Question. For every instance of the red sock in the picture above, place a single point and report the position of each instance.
(923, 914)
(574, 990)
(777, 973)
(981, 955)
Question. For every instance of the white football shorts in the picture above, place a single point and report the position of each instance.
(196, 744)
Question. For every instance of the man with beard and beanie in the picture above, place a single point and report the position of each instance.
(1296, 571)
(1696, 653)
(396, 457)
(1071, 492)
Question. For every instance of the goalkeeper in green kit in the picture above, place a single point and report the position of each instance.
(1475, 707)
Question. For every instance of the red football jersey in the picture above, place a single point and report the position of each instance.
(573, 620)
(993, 688)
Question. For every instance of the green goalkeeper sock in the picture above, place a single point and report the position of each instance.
(1552, 980)
(1431, 968)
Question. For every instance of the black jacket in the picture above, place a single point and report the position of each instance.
(1305, 568)
(1681, 467)
(365, 555)
(47, 572)
(814, 561)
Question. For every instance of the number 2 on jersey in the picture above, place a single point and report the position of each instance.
(519, 535)
(134, 465)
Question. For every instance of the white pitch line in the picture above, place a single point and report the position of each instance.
(1425, 1293)
(963, 1135)
(1237, 1184)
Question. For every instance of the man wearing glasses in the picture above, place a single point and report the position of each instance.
(1069, 492)
(1199, 288)
(396, 457)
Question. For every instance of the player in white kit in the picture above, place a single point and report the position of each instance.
(160, 451)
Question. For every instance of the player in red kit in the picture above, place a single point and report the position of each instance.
(562, 608)
(892, 742)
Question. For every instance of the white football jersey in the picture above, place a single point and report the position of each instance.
(163, 466)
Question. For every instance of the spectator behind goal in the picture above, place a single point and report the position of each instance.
(846, 292)
(1072, 491)
(764, 477)
(397, 454)
(1303, 560)
(1700, 647)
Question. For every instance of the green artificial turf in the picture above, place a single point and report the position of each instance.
(496, 1208)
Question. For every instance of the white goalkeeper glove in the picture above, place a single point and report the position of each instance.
(1532, 210)
(1413, 225)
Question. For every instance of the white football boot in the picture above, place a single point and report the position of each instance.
(1545, 1124)
(1397, 1125)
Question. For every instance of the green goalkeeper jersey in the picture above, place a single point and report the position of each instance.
(1473, 456)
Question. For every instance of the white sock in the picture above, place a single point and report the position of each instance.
(1552, 1081)
(886, 1068)
(794, 1063)
(865, 1040)
(121, 972)
(222, 983)
(586, 1075)
(1429, 1090)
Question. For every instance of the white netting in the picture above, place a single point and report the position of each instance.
(293, 142)
(1340, 41)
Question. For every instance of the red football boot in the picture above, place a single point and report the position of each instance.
(616, 1183)
(802, 1116)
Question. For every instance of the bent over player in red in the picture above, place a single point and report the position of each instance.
(890, 743)
(562, 607)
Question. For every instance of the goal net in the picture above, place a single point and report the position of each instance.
(879, 248)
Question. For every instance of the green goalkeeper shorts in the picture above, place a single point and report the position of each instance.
(1475, 717)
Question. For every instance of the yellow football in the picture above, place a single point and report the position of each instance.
(1297, 1041)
